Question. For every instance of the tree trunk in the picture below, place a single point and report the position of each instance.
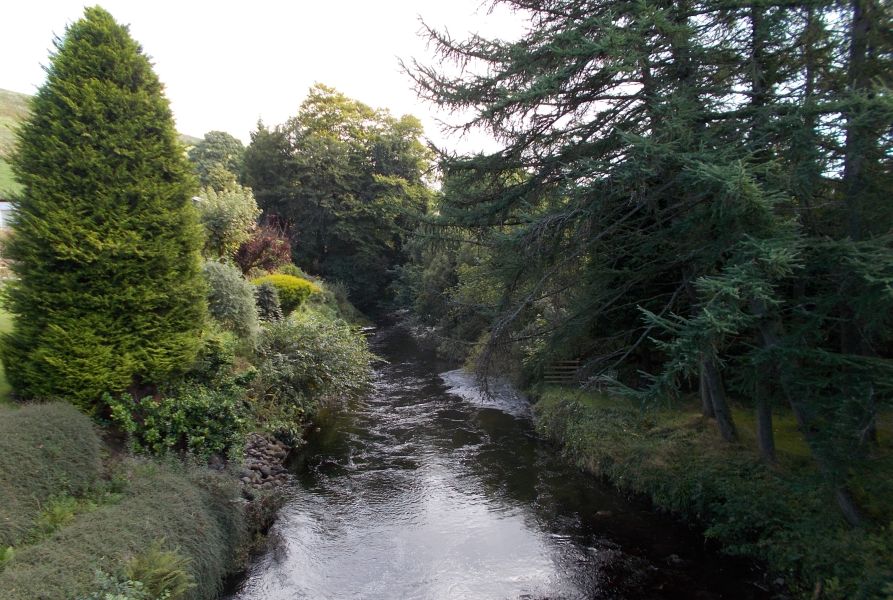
(765, 434)
(769, 331)
(706, 400)
(858, 138)
(718, 396)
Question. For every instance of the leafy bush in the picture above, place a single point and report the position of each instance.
(111, 587)
(293, 291)
(214, 362)
(301, 362)
(190, 417)
(269, 308)
(194, 510)
(230, 298)
(229, 217)
(293, 270)
(265, 250)
(46, 451)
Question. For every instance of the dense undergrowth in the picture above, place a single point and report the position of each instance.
(778, 514)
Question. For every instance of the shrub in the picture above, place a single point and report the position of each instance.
(293, 291)
(214, 362)
(265, 250)
(302, 361)
(231, 299)
(293, 270)
(46, 451)
(196, 511)
(190, 417)
(269, 307)
(105, 240)
(229, 217)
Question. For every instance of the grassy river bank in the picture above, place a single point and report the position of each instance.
(781, 514)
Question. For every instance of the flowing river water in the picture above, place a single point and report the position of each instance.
(429, 490)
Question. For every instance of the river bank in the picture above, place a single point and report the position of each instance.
(428, 490)
(783, 515)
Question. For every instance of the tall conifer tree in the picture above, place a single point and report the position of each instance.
(105, 241)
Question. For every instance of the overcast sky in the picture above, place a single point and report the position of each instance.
(225, 64)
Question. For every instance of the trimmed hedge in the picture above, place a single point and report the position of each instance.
(45, 450)
(193, 511)
(293, 291)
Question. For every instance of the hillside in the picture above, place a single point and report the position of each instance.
(13, 110)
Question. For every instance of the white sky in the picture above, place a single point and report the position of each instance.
(226, 63)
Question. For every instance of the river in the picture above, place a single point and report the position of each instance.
(429, 490)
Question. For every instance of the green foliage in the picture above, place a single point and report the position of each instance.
(293, 270)
(190, 417)
(109, 587)
(196, 511)
(229, 215)
(215, 359)
(46, 451)
(58, 512)
(347, 184)
(8, 185)
(6, 555)
(779, 516)
(231, 299)
(105, 239)
(217, 149)
(302, 361)
(163, 573)
(293, 291)
(269, 308)
(725, 220)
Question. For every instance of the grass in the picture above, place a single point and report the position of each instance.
(8, 185)
(783, 514)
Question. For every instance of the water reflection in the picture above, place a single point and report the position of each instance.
(428, 490)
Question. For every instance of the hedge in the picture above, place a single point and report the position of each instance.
(195, 512)
(46, 450)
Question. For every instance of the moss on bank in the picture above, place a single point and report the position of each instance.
(784, 515)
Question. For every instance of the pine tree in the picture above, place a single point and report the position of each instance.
(722, 169)
(105, 239)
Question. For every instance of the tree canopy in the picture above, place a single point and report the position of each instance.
(217, 149)
(347, 183)
(686, 191)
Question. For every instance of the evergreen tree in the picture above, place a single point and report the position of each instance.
(105, 242)
(722, 169)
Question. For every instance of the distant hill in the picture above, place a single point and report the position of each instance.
(14, 108)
